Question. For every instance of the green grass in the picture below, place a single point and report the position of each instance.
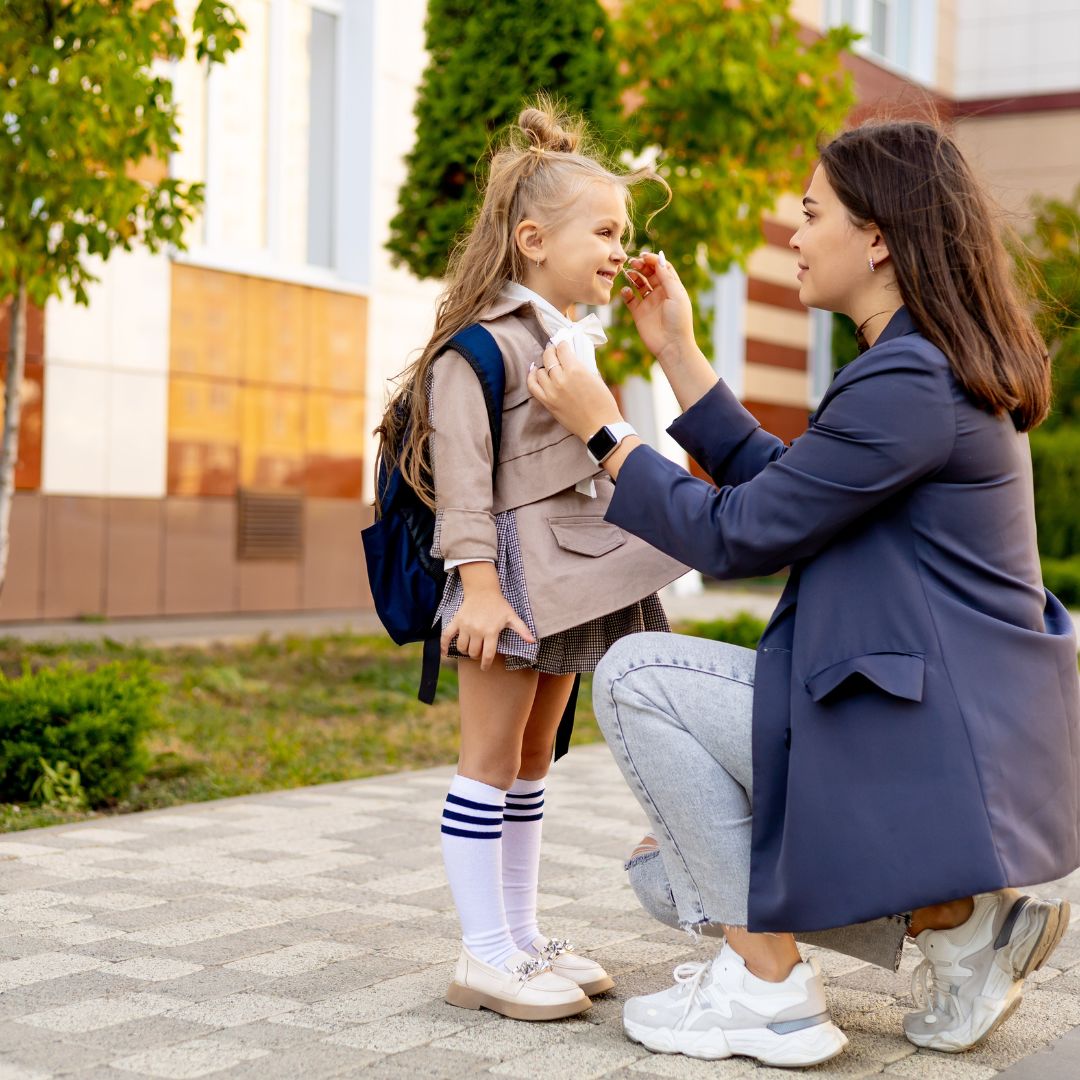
(272, 714)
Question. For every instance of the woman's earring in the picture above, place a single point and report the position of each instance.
(871, 261)
(537, 262)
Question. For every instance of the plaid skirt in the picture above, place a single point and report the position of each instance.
(568, 652)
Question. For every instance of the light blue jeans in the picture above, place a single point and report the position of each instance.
(676, 713)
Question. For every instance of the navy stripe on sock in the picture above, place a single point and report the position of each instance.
(517, 808)
(472, 805)
(515, 817)
(494, 822)
(531, 795)
(474, 835)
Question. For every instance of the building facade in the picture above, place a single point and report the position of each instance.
(198, 439)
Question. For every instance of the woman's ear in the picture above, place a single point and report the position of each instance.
(529, 239)
(879, 250)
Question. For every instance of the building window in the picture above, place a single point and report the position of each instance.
(277, 164)
(322, 137)
(729, 320)
(902, 33)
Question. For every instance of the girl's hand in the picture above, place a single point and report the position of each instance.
(480, 620)
(661, 308)
(574, 394)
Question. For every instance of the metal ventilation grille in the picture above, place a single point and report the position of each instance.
(269, 526)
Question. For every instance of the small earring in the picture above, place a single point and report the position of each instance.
(871, 261)
(538, 262)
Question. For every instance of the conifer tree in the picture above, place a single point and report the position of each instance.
(486, 58)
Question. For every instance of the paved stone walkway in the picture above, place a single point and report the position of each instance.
(308, 934)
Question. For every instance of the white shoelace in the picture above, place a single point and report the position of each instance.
(692, 973)
(927, 992)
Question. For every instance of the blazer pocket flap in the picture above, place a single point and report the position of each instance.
(898, 674)
(587, 535)
(516, 395)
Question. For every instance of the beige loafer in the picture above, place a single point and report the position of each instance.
(525, 989)
(570, 964)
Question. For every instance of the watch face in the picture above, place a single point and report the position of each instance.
(602, 443)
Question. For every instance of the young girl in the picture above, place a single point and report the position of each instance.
(539, 585)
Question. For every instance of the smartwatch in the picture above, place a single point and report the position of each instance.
(607, 439)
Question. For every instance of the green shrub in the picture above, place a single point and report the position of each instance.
(744, 629)
(63, 720)
(1055, 458)
(1062, 578)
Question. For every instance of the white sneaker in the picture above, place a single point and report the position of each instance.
(972, 979)
(524, 989)
(570, 964)
(720, 1009)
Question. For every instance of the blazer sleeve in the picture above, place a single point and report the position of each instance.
(881, 432)
(461, 460)
(725, 438)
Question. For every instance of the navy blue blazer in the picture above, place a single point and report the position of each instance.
(916, 725)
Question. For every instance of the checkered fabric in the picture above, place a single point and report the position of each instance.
(570, 651)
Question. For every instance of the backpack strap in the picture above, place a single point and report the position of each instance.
(480, 351)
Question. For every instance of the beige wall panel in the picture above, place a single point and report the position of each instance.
(21, 597)
(200, 556)
(297, 104)
(773, 264)
(268, 585)
(788, 209)
(776, 385)
(133, 558)
(1026, 154)
(333, 572)
(74, 557)
(767, 323)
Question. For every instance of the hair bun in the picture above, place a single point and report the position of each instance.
(545, 131)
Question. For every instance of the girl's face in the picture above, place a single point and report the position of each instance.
(583, 255)
(832, 270)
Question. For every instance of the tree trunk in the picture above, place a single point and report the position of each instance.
(9, 448)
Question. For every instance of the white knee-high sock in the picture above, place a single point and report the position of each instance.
(472, 853)
(522, 825)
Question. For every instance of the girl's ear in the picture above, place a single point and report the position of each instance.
(529, 239)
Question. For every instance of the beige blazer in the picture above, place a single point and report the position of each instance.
(577, 566)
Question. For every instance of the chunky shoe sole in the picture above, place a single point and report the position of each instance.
(465, 997)
(807, 1046)
(1030, 933)
(598, 986)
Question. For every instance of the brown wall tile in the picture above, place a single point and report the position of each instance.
(334, 575)
(200, 556)
(134, 557)
(21, 597)
(35, 331)
(28, 465)
(269, 585)
(74, 564)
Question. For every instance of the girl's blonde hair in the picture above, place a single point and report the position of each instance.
(539, 171)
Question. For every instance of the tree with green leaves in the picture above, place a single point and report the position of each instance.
(82, 104)
(486, 59)
(1053, 245)
(731, 98)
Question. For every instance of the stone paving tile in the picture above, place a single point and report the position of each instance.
(310, 934)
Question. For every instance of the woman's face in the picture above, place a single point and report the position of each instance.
(833, 251)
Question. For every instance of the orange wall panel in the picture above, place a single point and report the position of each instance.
(207, 322)
(272, 443)
(338, 336)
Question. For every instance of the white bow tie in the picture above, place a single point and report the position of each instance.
(583, 334)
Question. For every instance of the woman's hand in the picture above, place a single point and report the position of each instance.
(572, 392)
(661, 308)
(484, 614)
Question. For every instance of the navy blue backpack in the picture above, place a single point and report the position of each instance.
(406, 582)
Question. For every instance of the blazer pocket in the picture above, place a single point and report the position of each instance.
(585, 535)
(895, 673)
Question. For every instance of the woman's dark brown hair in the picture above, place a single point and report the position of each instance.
(955, 276)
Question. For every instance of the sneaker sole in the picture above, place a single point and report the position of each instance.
(1040, 939)
(465, 997)
(943, 1044)
(810, 1046)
